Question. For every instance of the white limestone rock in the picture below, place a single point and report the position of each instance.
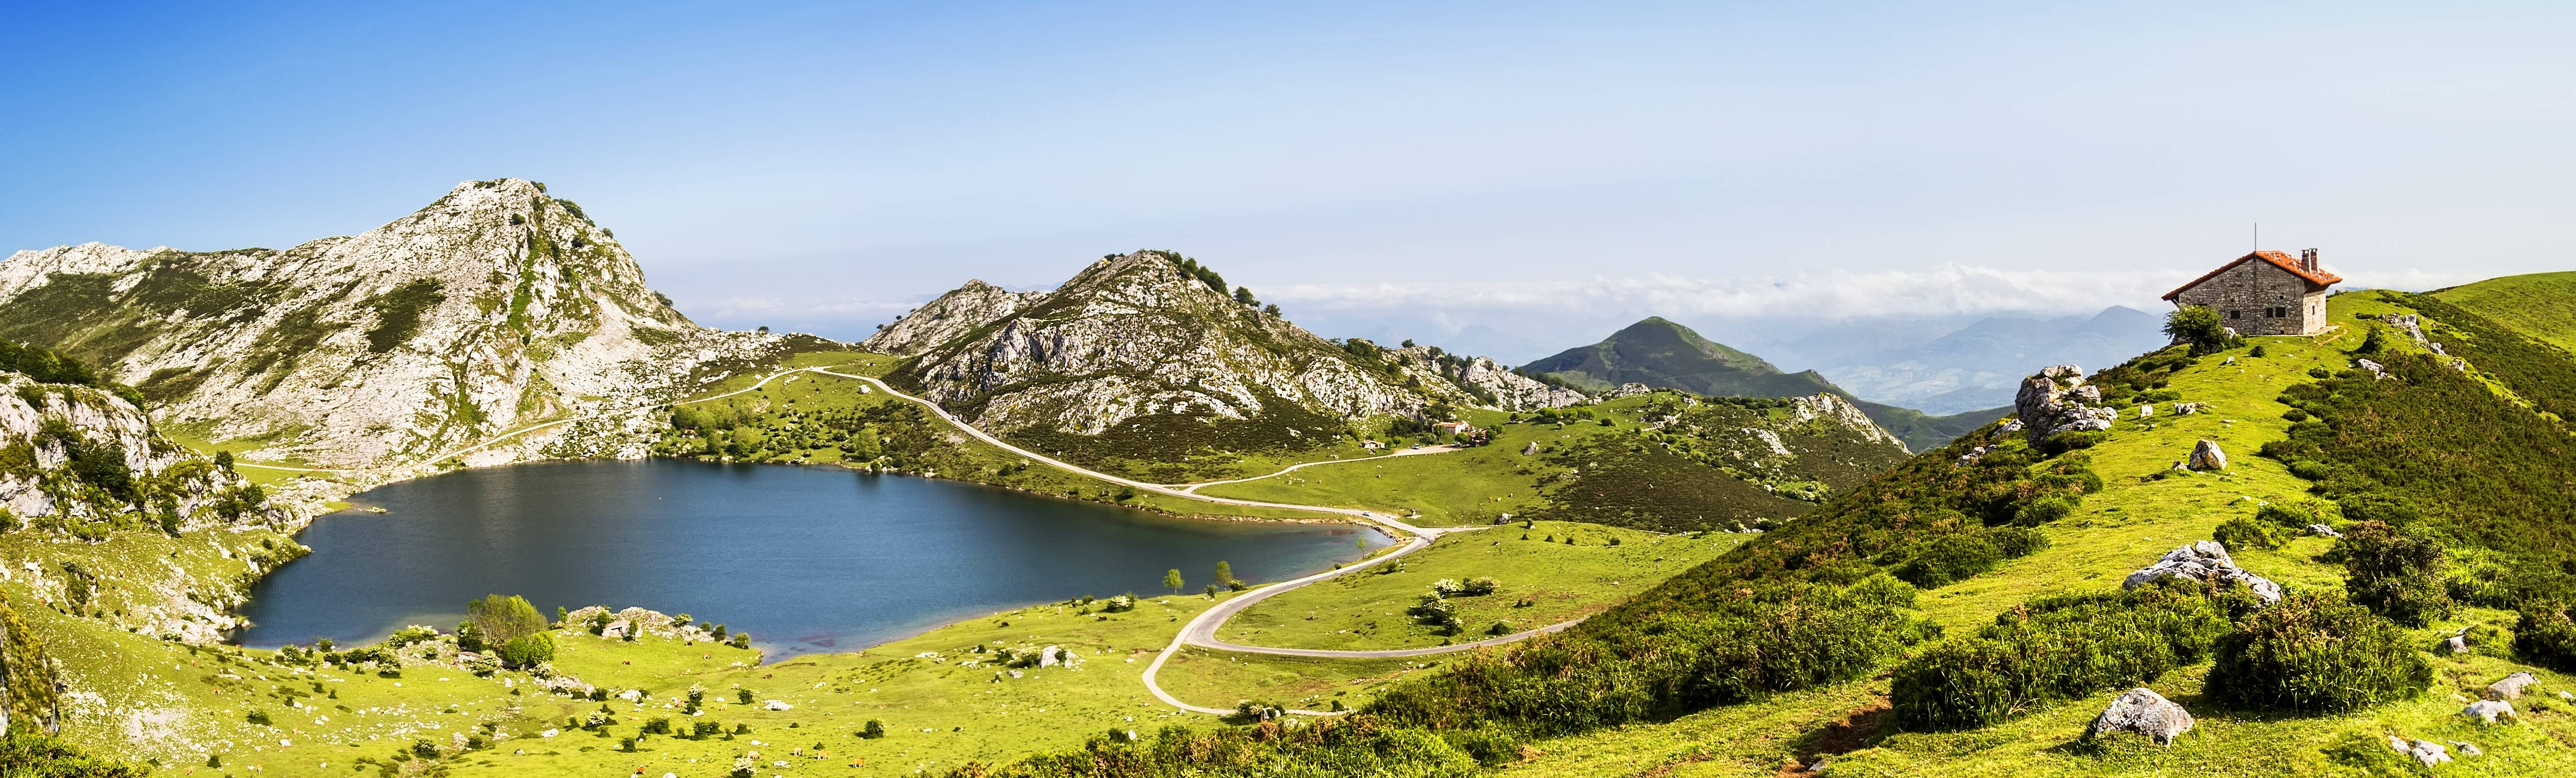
(948, 318)
(2205, 561)
(2206, 455)
(2487, 711)
(2144, 712)
(2511, 687)
(2056, 400)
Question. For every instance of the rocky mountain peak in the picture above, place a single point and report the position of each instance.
(948, 318)
(495, 304)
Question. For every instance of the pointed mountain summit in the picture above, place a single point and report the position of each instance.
(494, 306)
(1147, 357)
(1657, 352)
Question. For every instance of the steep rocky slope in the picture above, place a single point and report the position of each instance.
(78, 461)
(494, 306)
(1147, 350)
(1659, 353)
(948, 318)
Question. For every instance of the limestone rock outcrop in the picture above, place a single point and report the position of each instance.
(496, 305)
(2144, 712)
(2205, 561)
(2057, 401)
(2206, 455)
(2511, 687)
(948, 318)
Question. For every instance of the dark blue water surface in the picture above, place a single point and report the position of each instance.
(804, 558)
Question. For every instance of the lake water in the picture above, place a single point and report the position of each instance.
(806, 559)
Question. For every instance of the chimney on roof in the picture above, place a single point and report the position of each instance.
(2308, 260)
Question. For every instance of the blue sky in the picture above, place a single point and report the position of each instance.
(1525, 167)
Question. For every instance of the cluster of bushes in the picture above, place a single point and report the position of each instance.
(1961, 555)
(2058, 648)
(1631, 664)
(2313, 654)
(1352, 745)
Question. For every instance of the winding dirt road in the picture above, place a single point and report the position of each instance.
(1201, 630)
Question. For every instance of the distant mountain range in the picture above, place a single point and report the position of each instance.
(1970, 367)
(1659, 353)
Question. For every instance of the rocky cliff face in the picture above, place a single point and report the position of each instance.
(1482, 381)
(1840, 413)
(495, 306)
(948, 318)
(1135, 335)
(80, 462)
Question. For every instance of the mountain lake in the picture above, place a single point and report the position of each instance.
(805, 558)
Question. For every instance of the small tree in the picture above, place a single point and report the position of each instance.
(2198, 325)
(1172, 580)
(528, 650)
(1243, 294)
(875, 729)
(1224, 574)
(502, 619)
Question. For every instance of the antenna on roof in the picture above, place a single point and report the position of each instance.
(2258, 236)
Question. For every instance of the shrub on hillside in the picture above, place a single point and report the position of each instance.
(2310, 653)
(2395, 573)
(2063, 442)
(2242, 533)
(2056, 648)
(2043, 510)
(1962, 555)
(2544, 635)
(1743, 643)
(528, 650)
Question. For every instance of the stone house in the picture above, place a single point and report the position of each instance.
(2264, 293)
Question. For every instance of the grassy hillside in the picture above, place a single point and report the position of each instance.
(1657, 461)
(2536, 305)
(1547, 571)
(1781, 650)
(811, 418)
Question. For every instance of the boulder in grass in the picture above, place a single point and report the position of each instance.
(2486, 711)
(2321, 530)
(2511, 687)
(2206, 455)
(2455, 645)
(2144, 712)
(2206, 561)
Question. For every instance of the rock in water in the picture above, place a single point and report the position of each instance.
(2056, 400)
(2145, 712)
(2511, 687)
(2206, 561)
(2207, 456)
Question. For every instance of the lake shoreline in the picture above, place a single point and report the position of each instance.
(1375, 538)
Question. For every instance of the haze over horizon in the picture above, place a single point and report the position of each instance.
(1531, 171)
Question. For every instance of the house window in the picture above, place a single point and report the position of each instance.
(2235, 314)
(2278, 312)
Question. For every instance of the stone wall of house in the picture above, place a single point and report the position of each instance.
(2245, 294)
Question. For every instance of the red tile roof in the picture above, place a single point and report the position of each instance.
(2278, 259)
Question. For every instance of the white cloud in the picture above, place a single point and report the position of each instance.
(1946, 289)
